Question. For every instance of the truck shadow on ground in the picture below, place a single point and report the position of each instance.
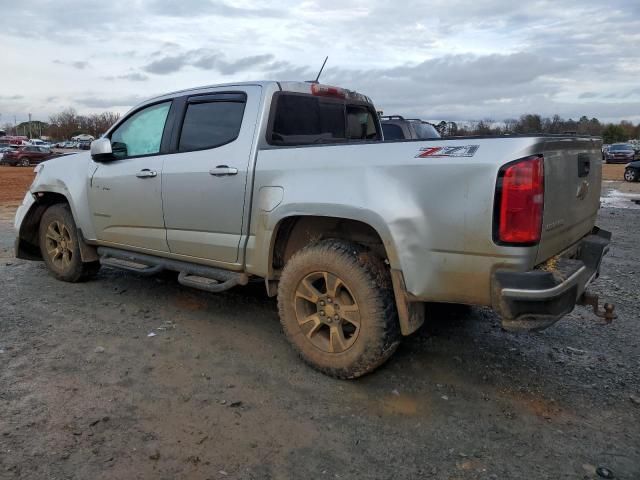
(458, 344)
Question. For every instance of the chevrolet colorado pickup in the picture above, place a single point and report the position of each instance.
(291, 182)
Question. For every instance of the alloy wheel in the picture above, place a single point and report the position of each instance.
(59, 245)
(327, 312)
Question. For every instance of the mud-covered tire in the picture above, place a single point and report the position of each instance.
(59, 246)
(365, 283)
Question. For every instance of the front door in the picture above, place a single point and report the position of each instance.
(125, 195)
(204, 182)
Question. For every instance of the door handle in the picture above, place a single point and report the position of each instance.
(223, 171)
(146, 173)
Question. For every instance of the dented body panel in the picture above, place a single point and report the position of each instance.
(433, 214)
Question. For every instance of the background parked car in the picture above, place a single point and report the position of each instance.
(619, 153)
(632, 171)
(25, 156)
(6, 148)
(84, 144)
(396, 127)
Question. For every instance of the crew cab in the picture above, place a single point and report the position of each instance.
(291, 182)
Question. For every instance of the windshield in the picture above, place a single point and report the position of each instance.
(392, 132)
(425, 130)
(620, 147)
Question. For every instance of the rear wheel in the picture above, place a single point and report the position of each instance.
(337, 308)
(59, 246)
(631, 175)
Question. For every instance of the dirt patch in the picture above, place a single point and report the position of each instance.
(14, 182)
(612, 171)
(218, 393)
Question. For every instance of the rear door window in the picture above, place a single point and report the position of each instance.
(210, 124)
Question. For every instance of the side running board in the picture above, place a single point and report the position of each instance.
(203, 277)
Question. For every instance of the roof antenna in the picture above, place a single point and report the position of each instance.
(321, 68)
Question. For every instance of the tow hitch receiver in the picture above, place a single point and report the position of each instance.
(592, 299)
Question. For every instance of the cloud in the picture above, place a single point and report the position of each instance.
(205, 59)
(198, 8)
(165, 65)
(132, 76)
(450, 59)
(80, 65)
(98, 101)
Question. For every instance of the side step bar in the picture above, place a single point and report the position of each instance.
(206, 278)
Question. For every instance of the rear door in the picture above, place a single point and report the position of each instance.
(573, 174)
(204, 180)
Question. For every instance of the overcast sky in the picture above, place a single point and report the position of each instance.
(452, 60)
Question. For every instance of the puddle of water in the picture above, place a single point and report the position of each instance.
(617, 199)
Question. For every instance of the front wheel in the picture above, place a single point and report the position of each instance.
(23, 162)
(59, 246)
(337, 308)
(631, 175)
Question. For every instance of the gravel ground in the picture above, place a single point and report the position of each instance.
(217, 393)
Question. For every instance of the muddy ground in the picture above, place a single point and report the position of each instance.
(218, 393)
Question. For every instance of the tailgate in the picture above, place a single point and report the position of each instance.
(573, 176)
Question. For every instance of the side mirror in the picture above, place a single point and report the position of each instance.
(101, 150)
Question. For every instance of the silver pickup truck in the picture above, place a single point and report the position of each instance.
(291, 182)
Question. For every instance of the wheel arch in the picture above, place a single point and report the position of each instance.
(294, 232)
(28, 242)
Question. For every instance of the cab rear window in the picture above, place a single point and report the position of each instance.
(301, 119)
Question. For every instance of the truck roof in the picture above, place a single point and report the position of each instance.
(285, 86)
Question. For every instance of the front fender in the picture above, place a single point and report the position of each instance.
(69, 176)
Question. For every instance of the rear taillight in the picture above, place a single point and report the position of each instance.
(519, 202)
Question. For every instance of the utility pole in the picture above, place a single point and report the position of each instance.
(30, 135)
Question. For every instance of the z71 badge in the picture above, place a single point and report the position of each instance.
(463, 151)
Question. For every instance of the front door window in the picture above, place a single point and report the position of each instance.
(141, 134)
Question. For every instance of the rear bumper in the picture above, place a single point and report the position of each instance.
(536, 299)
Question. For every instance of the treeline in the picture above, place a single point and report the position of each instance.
(533, 123)
(65, 124)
